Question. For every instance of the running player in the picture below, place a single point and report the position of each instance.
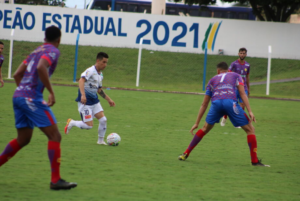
(31, 110)
(241, 67)
(221, 90)
(89, 105)
(1, 62)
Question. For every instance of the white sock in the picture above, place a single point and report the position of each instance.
(81, 124)
(102, 128)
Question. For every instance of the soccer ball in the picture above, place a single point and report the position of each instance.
(113, 139)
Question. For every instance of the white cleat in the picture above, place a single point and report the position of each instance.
(102, 142)
(238, 127)
(223, 121)
(68, 126)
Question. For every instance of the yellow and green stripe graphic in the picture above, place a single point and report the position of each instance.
(211, 35)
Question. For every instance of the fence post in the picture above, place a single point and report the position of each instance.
(76, 57)
(269, 70)
(11, 52)
(139, 63)
(204, 69)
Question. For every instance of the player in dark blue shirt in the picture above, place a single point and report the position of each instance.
(31, 77)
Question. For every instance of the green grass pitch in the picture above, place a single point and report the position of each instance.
(170, 71)
(154, 128)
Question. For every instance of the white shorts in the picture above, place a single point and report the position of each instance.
(87, 112)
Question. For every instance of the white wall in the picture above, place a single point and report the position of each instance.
(161, 32)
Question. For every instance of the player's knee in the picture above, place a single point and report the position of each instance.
(55, 136)
(24, 141)
(102, 120)
(207, 127)
(249, 129)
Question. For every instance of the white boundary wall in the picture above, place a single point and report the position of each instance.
(160, 32)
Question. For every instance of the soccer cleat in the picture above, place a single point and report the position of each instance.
(68, 126)
(223, 122)
(101, 142)
(183, 157)
(260, 164)
(62, 184)
(238, 127)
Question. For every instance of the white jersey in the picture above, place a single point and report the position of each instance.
(91, 86)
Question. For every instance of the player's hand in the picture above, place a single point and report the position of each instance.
(83, 99)
(252, 117)
(111, 103)
(193, 128)
(51, 100)
(2, 83)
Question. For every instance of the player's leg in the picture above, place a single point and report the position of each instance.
(42, 117)
(252, 143)
(54, 154)
(212, 117)
(238, 117)
(24, 128)
(85, 112)
(99, 114)
(223, 121)
(197, 138)
(24, 137)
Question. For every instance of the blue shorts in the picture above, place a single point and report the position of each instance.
(239, 97)
(32, 112)
(229, 107)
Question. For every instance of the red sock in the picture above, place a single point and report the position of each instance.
(10, 150)
(253, 147)
(197, 138)
(54, 157)
(225, 116)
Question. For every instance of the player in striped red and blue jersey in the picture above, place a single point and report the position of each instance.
(221, 90)
(241, 67)
(31, 77)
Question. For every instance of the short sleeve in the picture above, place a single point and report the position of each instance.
(87, 74)
(26, 61)
(232, 67)
(209, 89)
(51, 57)
(239, 80)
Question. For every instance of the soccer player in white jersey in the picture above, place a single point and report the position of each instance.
(89, 105)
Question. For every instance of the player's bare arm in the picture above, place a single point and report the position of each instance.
(18, 75)
(248, 83)
(106, 97)
(246, 101)
(42, 69)
(82, 91)
(101, 93)
(202, 110)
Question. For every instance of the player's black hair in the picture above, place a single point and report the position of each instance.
(102, 55)
(1, 43)
(222, 65)
(52, 33)
(242, 49)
